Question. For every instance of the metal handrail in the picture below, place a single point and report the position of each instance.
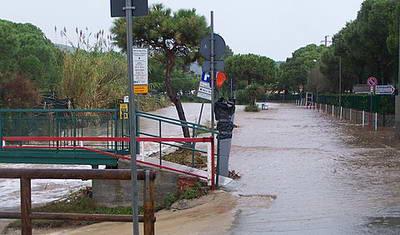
(175, 122)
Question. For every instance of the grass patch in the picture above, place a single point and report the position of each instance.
(184, 157)
(197, 191)
(252, 108)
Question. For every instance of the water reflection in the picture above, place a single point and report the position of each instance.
(326, 181)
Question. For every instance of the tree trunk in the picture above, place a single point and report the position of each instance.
(172, 93)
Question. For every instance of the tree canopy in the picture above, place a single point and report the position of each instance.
(294, 72)
(25, 50)
(250, 68)
(170, 36)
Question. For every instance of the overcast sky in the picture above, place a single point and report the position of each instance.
(274, 28)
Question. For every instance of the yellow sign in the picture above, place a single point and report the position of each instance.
(123, 111)
(141, 89)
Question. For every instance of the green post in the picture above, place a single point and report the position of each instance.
(116, 130)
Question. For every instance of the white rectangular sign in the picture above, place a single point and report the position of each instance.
(141, 70)
(204, 91)
(384, 90)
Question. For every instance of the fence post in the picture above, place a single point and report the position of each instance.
(341, 112)
(350, 115)
(333, 111)
(376, 121)
(363, 118)
(26, 204)
(326, 108)
(148, 205)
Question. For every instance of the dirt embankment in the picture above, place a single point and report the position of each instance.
(211, 214)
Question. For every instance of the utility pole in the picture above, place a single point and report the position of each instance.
(397, 104)
(326, 41)
(340, 81)
(212, 71)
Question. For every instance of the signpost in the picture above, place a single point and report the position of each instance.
(128, 9)
(212, 48)
(372, 82)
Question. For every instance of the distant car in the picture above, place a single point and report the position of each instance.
(262, 105)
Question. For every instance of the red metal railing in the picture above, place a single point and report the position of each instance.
(118, 156)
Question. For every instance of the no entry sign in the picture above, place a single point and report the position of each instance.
(372, 81)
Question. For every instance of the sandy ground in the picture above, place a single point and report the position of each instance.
(214, 214)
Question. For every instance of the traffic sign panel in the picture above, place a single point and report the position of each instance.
(219, 47)
(385, 90)
(372, 81)
(141, 70)
(118, 6)
(219, 66)
(205, 91)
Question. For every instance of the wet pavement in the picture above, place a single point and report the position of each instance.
(324, 178)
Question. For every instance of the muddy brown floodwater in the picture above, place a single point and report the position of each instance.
(326, 179)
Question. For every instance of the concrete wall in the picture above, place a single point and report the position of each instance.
(114, 193)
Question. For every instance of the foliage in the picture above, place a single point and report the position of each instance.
(383, 104)
(18, 92)
(252, 108)
(294, 72)
(25, 50)
(250, 68)
(93, 79)
(170, 37)
(253, 91)
(149, 102)
(368, 46)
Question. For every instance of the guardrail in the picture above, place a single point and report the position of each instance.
(26, 215)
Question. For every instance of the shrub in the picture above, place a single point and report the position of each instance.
(252, 108)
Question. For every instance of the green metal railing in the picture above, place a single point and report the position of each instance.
(89, 122)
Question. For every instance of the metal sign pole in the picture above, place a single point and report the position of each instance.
(212, 72)
(132, 115)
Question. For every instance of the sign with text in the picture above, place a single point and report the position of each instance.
(204, 91)
(384, 90)
(361, 89)
(141, 70)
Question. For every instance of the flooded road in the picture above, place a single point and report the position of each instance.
(325, 180)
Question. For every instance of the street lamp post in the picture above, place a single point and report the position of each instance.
(397, 108)
(340, 81)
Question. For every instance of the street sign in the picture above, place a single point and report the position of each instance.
(118, 6)
(126, 99)
(361, 89)
(219, 47)
(219, 66)
(141, 70)
(204, 91)
(372, 81)
(385, 90)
